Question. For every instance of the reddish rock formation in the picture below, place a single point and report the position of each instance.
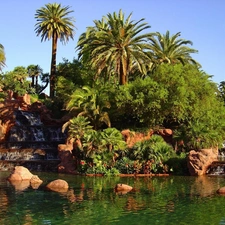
(132, 137)
(68, 146)
(58, 186)
(68, 164)
(198, 162)
(13, 103)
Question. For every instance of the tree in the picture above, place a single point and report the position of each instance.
(221, 89)
(34, 72)
(116, 46)
(2, 56)
(54, 22)
(69, 75)
(197, 114)
(170, 49)
(16, 81)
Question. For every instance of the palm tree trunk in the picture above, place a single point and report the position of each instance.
(53, 65)
(36, 83)
(122, 76)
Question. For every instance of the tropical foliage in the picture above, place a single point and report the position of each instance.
(151, 154)
(165, 88)
(16, 81)
(92, 103)
(96, 151)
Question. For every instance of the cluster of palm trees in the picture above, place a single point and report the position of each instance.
(115, 47)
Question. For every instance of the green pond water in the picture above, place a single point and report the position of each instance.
(92, 200)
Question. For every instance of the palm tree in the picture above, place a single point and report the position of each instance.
(54, 22)
(116, 45)
(170, 49)
(92, 103)
(2, 56)
(34, 72)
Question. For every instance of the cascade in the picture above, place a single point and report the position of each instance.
(30, 143)
(217, 168)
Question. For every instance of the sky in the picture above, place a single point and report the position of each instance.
(200, 21)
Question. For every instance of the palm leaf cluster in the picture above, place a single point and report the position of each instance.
(170, 49)
(92, 103)
(53, 20)
(116, 46)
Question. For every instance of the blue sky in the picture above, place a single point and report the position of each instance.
(201, 21)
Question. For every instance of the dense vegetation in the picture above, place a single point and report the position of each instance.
(124, 78)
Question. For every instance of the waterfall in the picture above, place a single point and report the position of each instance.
(31, 143)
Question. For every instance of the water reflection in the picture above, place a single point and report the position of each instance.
(204, 186)
(92, 200)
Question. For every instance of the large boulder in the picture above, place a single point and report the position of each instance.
(21, 178)
(20, 173)
(198, 162)
(58, 186)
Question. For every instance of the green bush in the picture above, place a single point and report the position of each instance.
(177, 165)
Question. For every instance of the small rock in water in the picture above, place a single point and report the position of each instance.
(221, 191)
(58, 186)
(123, 188)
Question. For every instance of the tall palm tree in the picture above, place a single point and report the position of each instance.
(2, 56)
(170, 49)
(116, 45)
(54, 22)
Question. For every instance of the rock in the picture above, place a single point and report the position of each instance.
(131, 137)
(35, 182)
(198, 162)
(40, 152)
(58, 186)
(68, 146)
(123, 188)
(165, 132)
(221, 191)
(20, 173)
(21, 178)
(20, 185)
(67, 164)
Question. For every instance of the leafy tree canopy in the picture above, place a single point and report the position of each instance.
(17, 81)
